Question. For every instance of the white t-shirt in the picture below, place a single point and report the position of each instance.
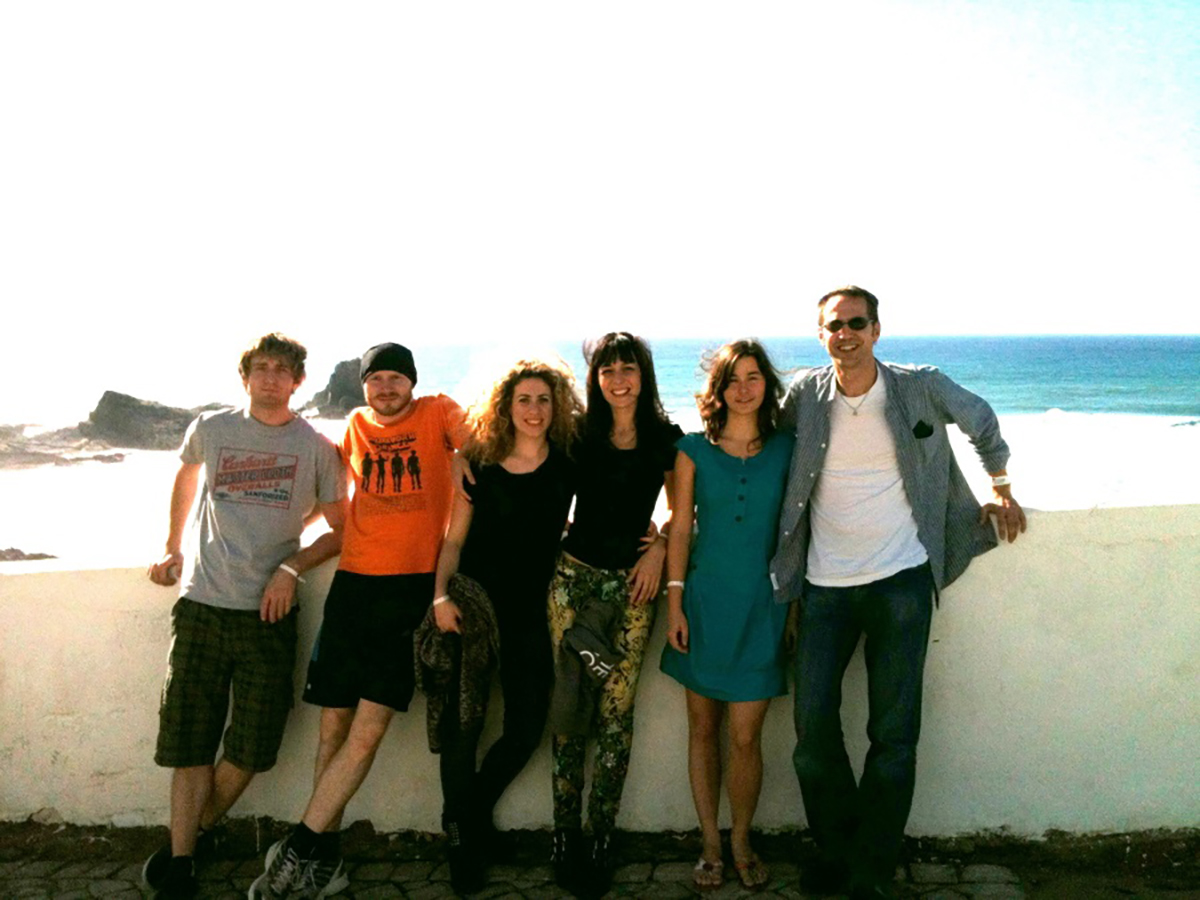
(862, 522)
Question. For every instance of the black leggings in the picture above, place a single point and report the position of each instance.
(526, 674)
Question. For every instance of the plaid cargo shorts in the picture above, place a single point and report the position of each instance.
(212, 650)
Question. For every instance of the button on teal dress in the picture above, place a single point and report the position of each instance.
(735, 627)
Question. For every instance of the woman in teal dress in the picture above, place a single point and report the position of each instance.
(725, 630)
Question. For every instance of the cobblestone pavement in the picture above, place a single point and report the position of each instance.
(72, 862)
(428, 880)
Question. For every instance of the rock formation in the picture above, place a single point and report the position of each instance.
(64, 447)
(123, 421)
(342, 394)
(12, 554)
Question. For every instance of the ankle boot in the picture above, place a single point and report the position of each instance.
(566, 855)
(466, 867)
(496, 846)
(600, 876)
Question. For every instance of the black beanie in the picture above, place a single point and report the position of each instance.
(388, 358)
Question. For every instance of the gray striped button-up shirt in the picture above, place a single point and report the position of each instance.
(921, 401)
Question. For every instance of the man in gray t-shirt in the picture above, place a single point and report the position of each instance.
(266, 474)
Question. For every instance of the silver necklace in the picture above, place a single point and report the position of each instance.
(851, 406)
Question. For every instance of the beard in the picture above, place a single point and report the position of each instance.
(389, 407)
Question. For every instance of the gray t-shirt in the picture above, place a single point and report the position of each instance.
(260, 483)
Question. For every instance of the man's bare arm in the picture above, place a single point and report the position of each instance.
(166, 571)
(280, 593)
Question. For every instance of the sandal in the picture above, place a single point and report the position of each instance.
(752, 873)
(708, 876)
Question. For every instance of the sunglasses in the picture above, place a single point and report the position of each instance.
(858, 323)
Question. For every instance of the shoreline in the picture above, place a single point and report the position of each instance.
(116, 514)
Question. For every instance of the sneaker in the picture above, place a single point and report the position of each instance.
(282, 872)
(321, 878)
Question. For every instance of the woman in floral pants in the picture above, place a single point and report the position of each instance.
(612, 553)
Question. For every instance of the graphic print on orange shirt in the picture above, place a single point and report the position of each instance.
(390, 465)
(249, 476)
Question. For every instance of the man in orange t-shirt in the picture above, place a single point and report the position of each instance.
(361, 670)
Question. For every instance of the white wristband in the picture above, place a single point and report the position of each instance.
(284, 567)
(678, 584)
(1000, 480)
(442, 599)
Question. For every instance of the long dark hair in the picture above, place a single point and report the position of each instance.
(720, 368)
(649, 417)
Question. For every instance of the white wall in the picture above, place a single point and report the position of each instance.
(1060, 693)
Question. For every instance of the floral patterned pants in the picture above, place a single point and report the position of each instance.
(574, 583)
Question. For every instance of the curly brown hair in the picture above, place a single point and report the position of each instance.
(720, 367)
(490, 420)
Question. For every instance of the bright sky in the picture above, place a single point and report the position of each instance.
(178, 178)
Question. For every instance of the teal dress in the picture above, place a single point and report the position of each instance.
(735, 627)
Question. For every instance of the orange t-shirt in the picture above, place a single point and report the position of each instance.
(402, 491)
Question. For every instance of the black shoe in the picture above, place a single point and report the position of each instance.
(566, 856)
(497, 847)
(178, 881)
(154, 872)
(466, 866)
(824, 876)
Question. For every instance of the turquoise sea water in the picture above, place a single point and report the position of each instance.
(1122, 374)
(1122, 399)
(1157, 376)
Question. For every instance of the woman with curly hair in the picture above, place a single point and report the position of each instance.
(725, 630)
(506, 538)
(611, 565)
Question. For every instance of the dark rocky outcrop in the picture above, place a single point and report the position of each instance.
(342, 394)
(123, 421)
(117, 421)
(64, 447)
(12, 554)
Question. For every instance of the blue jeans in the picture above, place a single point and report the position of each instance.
(861, 825)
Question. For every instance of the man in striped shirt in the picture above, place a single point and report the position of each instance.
(877, 518)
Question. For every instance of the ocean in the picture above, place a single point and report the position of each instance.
(1091, 422)
(1139, 375)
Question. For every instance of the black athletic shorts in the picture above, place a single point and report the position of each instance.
(364, 650)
